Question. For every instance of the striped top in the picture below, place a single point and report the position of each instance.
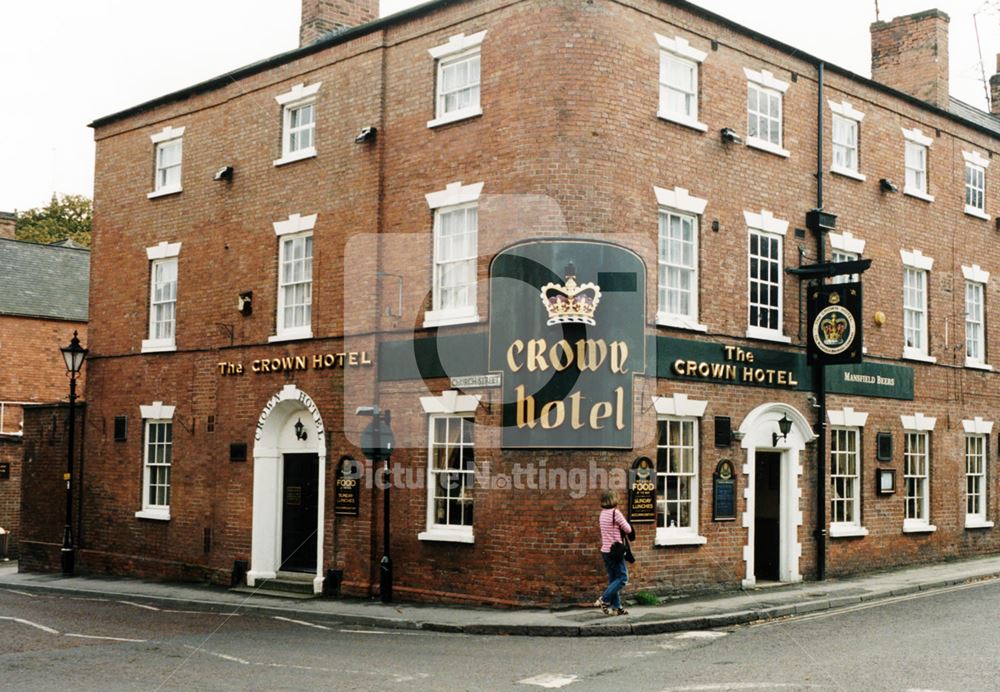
(612, 523)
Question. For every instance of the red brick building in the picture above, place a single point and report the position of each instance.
(43, 300)
(376, 217)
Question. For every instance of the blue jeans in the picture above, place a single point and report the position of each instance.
(617, 578)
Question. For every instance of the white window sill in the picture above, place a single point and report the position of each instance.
(447, 535)
(164, 191)
(447, 318)
(455, 116)
(919, 194)
(917, 526)
(767, 335)
(848, 173)
(158, 346)
(307, 153)
(683, 120)
(914, 354)
(155, 514)
(976, 365)
(847, 530)
(764, 145)
(978, 213)
(977, 523)
(290, 335)
(665, 320)
(676, 537)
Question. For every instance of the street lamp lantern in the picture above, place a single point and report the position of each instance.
(377, 442)
(74, 355)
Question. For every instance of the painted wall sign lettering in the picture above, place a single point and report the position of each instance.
(567, 323)
(318, 361)
(642, 492)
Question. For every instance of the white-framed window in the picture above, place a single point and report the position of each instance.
(916, 269)
(764, 106)
(917, 146)
(455, 255)
(846, 135)
(157, 460)
(917, 473)
(162, 297)
(451, 470)
(168, 146)
(457, 86)
(976, 280)
(679, 67)
(977, 437)
(844, 247)
(845, 472)
(975, 184)
(298, 123)
(295, 252)
(765, 276)
(678, 469)
(677, 282)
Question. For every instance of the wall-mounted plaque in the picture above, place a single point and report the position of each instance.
(724, 492)
(642, 492)
(348, 492)
(885, 481)
(883, 446)
(5, 470)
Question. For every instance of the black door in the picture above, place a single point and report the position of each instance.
(767, 515)
(298, 517)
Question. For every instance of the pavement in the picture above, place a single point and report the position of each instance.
(677, 614)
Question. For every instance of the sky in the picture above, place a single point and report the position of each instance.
(64, 63)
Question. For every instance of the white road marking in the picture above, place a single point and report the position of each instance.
(548, 680)
(698, 634)
(200, 612)
(22, 593)
(301, 622)
(397, 677)
(140, 605)
(393, 632)
(114, 639)
(43, 628)
(920, 689)
(638, 654)
(224, 657)
(738, 686)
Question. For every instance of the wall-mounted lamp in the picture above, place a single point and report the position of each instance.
(729, 135)
(224, 173)
(300, 431)
(784, 426)
(886, 185)
(367, 134)
(244, 303)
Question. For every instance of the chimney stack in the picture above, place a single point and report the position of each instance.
(7, 223)
(320, 17)
(910, 54)
(995, 90)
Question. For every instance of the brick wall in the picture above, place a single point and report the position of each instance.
(568, 145)
(10, 492)
(910, 53)
(319, 17)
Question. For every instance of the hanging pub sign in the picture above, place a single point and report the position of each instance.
(724, 492)
(567, 321)
(834, 324)
(348, 488)
(642, 492)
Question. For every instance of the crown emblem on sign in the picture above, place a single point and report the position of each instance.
(833, 328)
(571, 302)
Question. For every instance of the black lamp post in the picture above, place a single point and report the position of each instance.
(376, 443)
(74, 354)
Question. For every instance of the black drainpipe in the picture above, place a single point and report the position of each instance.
(819, 372)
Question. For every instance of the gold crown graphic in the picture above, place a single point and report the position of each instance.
(571, 302)
(833, 328)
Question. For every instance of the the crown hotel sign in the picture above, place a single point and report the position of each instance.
(566, 336)
(834, 324)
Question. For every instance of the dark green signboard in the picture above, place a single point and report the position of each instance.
(835, 321)
(567, 321)
(871, 379)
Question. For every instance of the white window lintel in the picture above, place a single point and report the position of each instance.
(454, 194)
(977, 426)
(679, 405)
(847, 417)
(918, 422)
(299, 92)
(766, 221)
(166, 134)
(844, 530)
(680, 46)
(846, 242)
(449, 535)
(450, 402)
(916, 260)
(846, 110)
(917, 137)
(765, 79)
(679, 199)
(296, 223)
(163, 250)
(976, 159)
(457, 44)
(156, 411)
(976, 274)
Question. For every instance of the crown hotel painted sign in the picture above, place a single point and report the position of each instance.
(566, 336)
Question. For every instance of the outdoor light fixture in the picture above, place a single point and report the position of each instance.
(224, 173)
(377, 442)
(244, 303)
(300, 431)
(74, 355)
(729, 135)
(886, 185)
(367, 134)
(784, 426)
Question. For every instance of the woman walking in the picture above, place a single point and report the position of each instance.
(613, 525)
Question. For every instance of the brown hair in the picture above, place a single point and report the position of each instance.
(609, 499)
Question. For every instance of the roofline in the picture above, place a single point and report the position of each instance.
(50, 318)
(428, 7)
(45, 245)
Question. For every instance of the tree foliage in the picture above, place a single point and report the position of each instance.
(65, 216)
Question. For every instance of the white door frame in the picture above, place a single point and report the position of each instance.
(756, 434)
(275, 436)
